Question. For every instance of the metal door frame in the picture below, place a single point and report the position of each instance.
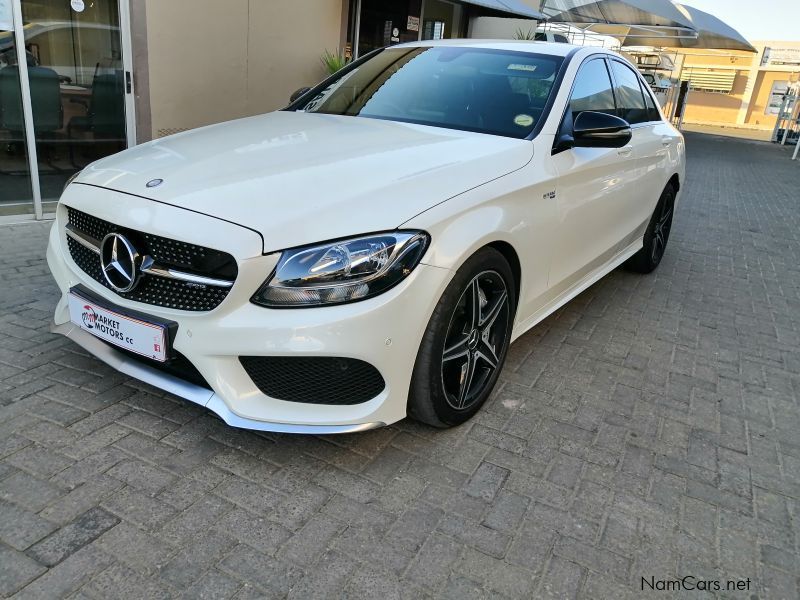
(123, 6)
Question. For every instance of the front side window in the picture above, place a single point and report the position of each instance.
(489, 91)
(592, 90)
(629, 94)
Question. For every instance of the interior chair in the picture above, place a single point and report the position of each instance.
(48, 114)
(105, 112)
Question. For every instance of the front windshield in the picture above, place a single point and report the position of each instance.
(500, 92)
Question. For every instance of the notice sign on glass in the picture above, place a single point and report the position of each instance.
(412, 25)
(779, 90)
(6, 20)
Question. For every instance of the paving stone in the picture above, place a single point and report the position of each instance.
(213, 585)
(67, 576)
(20, 528)
(72, 537)
(16, 570)
(28, 491)
(136, 549)
(271, 575)
(496, 575)
(434, 562)
(326, 579)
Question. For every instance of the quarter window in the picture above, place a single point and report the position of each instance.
(629, 94)
(592, 90)
(652, 111)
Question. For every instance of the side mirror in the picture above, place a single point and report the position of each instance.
(297, 93)
(600, 130)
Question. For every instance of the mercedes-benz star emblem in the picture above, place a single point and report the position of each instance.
(119, 260)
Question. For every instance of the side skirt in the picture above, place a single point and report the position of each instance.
(576, 289)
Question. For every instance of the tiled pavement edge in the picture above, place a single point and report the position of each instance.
(650, 428)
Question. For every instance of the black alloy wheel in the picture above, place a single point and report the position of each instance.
(656, 235)
(478, 331)
(466, 341)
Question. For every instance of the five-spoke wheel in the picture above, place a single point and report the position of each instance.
(478, 331)
(464, 347)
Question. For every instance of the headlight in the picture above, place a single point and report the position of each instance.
(343, 271)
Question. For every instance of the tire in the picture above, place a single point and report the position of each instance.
(475, 339)
(656, 235)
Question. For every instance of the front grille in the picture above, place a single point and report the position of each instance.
(152, 289)
(314, 379)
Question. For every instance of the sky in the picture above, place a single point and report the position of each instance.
(761, 20)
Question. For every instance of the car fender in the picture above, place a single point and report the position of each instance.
(517, 209)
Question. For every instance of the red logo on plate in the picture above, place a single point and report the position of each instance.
(89, 316)
(156, 347)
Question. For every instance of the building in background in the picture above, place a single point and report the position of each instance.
(738, 89)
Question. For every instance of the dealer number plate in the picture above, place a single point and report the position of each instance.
(141, 337)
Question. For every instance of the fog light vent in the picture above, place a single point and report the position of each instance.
(314, 379)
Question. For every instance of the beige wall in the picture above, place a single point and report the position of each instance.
(211, 61)
(710, 107)
(751, 88)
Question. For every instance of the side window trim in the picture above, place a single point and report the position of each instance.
(589, 59)
(644, 89)
(567, 109)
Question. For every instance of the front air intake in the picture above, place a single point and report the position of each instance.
(314, 379)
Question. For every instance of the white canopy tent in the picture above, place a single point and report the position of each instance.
(515, 8)
(657, 23)
(713, 32)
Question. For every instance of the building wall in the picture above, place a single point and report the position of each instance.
(712, 107)
(746, 104)
(215, 61)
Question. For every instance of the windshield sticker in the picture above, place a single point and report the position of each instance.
(518, 67)
(523, 120)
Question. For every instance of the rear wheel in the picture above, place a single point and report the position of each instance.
(656, 235)
(465, 345)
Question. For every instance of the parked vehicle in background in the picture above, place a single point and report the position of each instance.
(372, 250)
(543, 35)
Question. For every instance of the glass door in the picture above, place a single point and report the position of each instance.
(16, 194)
(77, 86)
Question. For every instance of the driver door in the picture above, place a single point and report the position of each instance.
(593, 188)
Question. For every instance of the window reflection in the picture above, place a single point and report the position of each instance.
(77, 88)
(15, 181)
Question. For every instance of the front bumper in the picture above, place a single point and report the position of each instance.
(384, 331)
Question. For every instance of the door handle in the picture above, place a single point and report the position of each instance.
(625, 151)
(666, 141)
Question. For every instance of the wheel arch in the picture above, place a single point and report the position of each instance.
(512, 258)
(675, 182)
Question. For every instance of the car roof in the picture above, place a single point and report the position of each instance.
(552, 48)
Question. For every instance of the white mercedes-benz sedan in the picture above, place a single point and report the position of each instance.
(372, 250)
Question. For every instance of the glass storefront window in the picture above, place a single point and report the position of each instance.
(16, 196)
(77, 84)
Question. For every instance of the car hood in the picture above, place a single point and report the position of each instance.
(299, 178)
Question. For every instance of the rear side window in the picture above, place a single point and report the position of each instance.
(592, 90)
(652, 111)
(629, 94)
